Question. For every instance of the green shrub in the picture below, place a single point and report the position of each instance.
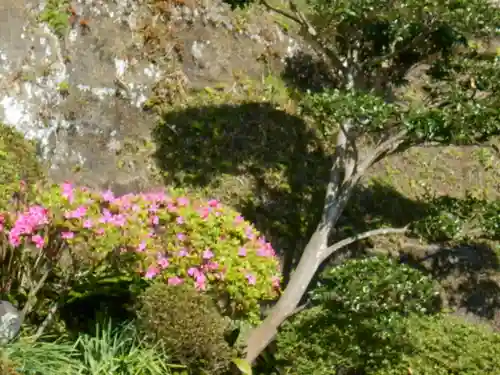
(187, 324)
(376, 286)
(77, 240)
(17, 163)
(358, 321)
(443, 345)
(453, 219)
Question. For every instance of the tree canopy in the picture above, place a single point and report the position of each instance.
(372, 49)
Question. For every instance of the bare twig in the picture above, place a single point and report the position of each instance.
(48, 319)
(330, 57)
(33, 292)
(371, 233)
(281, 11)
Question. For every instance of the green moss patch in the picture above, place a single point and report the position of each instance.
(17, 162)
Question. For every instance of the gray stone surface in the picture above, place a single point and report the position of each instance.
(10, 322)
(109, 72)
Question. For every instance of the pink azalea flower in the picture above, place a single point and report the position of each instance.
(249, 233)
(171, 207)
(118, 220)
(204, 213)
(183, 252)
(141, 247)
(182, 201)
(211, 266)
(181, 236)
(163, 262)
(38, 240)
(200, 282)
(78, 213)
(151, 272)
(207, 254)
(67, 235)
(251, 279)
(242, 252)
(106, 217)
(213, 202)
(87, 224)
(14, 238)
(180, 220)
(67, 191)
(108, 196)
(175, 280)
(193, 271)
(276, 282)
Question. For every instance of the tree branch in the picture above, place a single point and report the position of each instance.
(371, 233)
(408, 46)
(337, 174)
(329, 57)
(282, 12)
(386, 147)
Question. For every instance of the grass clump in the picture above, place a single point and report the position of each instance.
(187, 325)
(119, 352)
(29, 357)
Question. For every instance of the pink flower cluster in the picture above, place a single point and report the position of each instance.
(138, 219)
(29, 224)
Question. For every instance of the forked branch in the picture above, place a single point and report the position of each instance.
(358, 237)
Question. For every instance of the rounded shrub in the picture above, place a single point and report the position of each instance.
(375, 286)
(187, 325)
(93, 235)
(357, 322)
(18, 163)
(444, 344)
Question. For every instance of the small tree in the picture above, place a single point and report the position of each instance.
(370, 46)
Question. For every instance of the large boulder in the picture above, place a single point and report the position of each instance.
(10, 322)
(74, 75)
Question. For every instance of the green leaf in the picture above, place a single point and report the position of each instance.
(243, 366)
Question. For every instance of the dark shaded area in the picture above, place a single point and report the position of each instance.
(235, 4)
(467, 273)
(284, 159)
(112, 303)
(305, 72)
(370, 39)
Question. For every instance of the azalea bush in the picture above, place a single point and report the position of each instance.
(69, 236)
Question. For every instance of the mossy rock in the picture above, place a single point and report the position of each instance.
(17, 162)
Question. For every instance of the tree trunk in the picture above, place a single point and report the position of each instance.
(310, 260)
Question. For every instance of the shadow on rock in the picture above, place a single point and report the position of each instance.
(270, 166)
(468, 274)
(253, 156)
